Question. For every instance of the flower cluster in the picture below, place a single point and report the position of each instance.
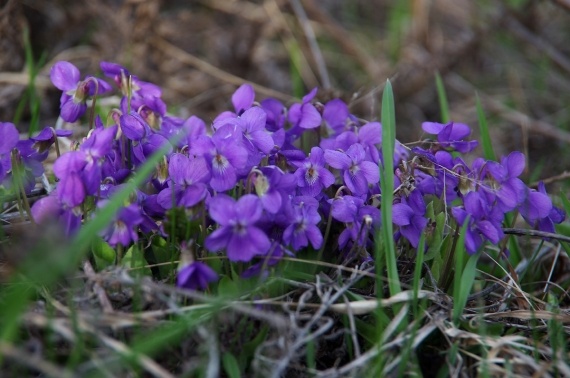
(255, 191)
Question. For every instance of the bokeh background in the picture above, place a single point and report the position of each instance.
(514, 54)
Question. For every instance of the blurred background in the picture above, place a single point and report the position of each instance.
(514, 54)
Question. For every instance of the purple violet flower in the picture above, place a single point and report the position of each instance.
(66, 77)
(312, 176)
(195, 275)
(359, 219)
(50, 208)
(357, 172)
(536, 205)
(335, 115)
(123, 230)
(253, 126)
(187, 186)
(410, 216)
(305, 115)
(9, 138)
(243, 97)
(451, 135)
(305, 216)
(545, 223)
(484, 221)
(46, 137)
(275, 114)
(120, 76)
(224, 154)
(237, 234)
(272, 186)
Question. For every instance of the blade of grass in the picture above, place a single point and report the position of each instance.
(387, 187)
(442, 98)
(464, 274)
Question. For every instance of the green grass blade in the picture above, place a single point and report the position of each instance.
(231, 365)
(387, 186)
(488, 152)
(442, 97)
(464, 274)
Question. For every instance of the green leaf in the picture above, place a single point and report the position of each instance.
(228, 288)
(135, 260)
(103, 254)
(231, 366)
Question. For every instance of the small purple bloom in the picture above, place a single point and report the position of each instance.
(335, 116)
(68, 169)
(120, 76)
(46, 137)
(237, 234)
(195, 275)
(50, 208)
(272, 185)
(123, 230)
(305, 115)
(9, 138)
(359, 219)
(275, 114)
(243, 97)
(187, 186)
(224, 154)
(410, 216)
(312, 176)
(253, 125)
(357, 172)
(484, 221)
(66, 77)
(451, 135)
(305, 216)
(537, 205)
(555, 216)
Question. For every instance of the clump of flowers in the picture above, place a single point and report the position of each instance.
(242, 187)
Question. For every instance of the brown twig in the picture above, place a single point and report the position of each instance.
(536, 234)
(563, 176)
